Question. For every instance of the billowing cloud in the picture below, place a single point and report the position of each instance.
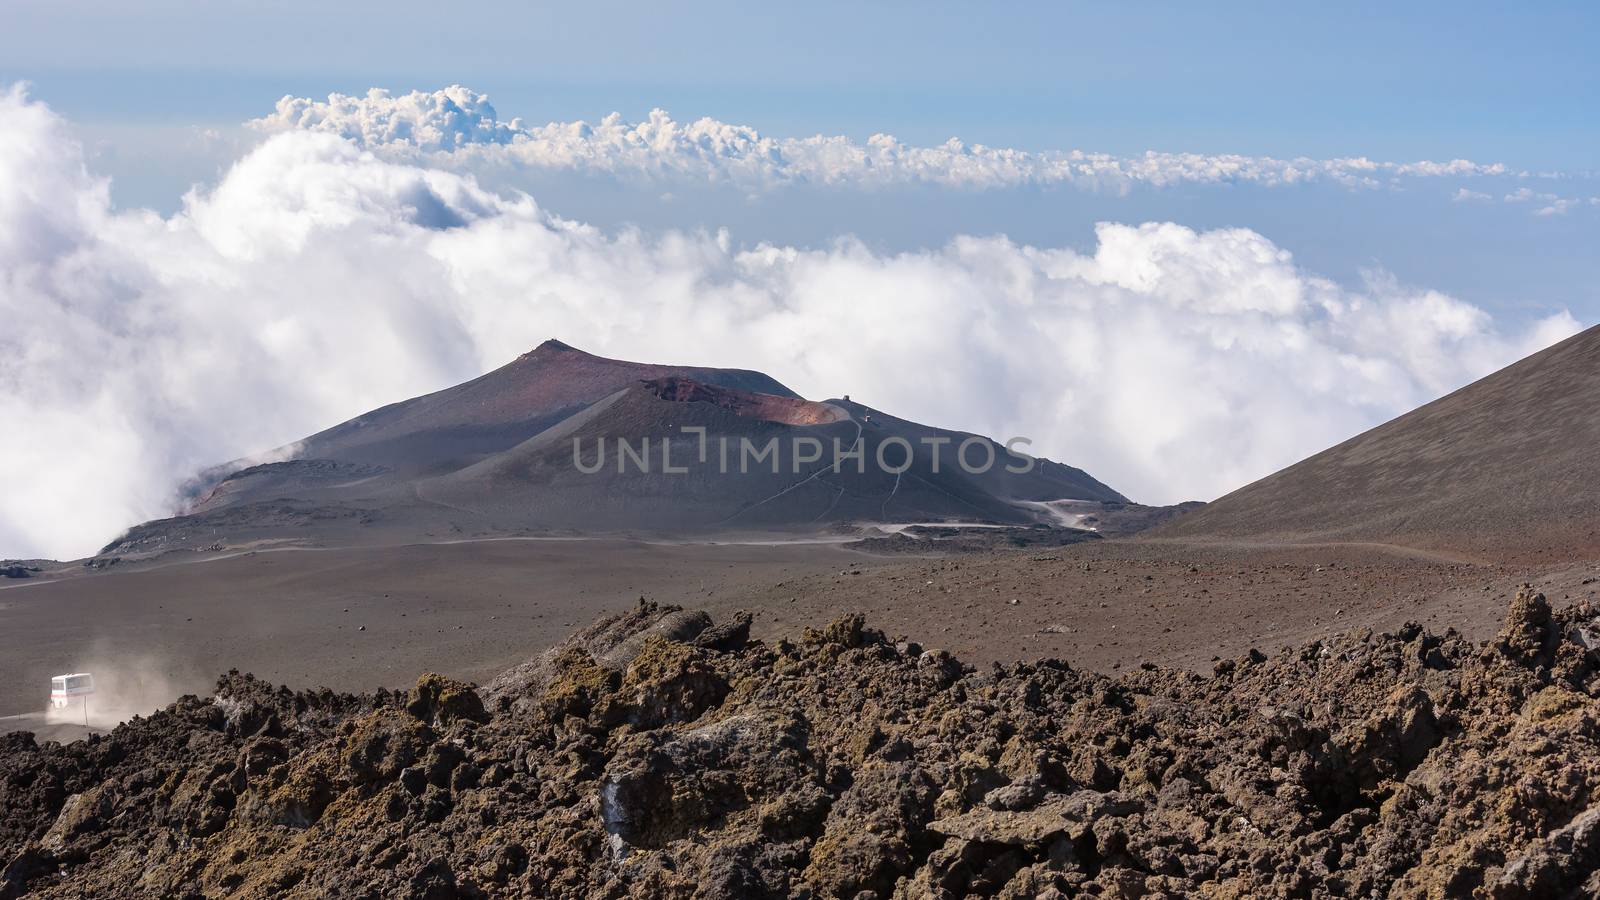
(442, 120)
(317, 280)
(459, 127)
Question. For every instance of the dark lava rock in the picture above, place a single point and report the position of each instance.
(660, 754)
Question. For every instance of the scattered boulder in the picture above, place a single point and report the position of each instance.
(729, 636)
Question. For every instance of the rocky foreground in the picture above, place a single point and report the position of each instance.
(659, 754)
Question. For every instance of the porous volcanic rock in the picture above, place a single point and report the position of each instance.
(659, 754)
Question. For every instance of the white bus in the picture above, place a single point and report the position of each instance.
(66, 688)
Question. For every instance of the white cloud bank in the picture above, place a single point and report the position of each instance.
(458, 127)
(317, 281)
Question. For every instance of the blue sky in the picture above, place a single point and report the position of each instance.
(1513, 82)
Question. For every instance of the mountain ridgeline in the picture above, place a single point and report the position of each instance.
(1506, 467)
(563, 441)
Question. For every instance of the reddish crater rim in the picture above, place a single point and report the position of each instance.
(768, 407)
(553, 346)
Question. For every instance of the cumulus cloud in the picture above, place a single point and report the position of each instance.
(441, 120)
(459, 127)
(317, 280)
(1546, 204)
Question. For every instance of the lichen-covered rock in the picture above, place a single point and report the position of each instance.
(1527, 636)
(382, 744)
(440, 701)
(876, 833)
(291, 796)
(80, 814)
(668, 682)
(1072, 815)
(577, 685)
(664, 787)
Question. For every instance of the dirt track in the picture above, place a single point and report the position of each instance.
(357, 619)
(471, 609)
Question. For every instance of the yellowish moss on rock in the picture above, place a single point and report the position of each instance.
(440, 701)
